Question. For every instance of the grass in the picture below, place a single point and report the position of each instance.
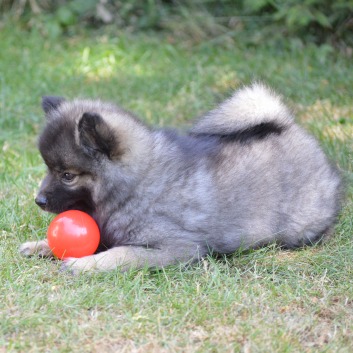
(261, 301)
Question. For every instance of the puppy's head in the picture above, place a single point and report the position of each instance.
(92, 150)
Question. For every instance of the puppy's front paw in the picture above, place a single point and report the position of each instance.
(104, 261)
(40, 248)
(78, 265)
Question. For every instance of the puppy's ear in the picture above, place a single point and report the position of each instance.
(50, 103)
(95, 136)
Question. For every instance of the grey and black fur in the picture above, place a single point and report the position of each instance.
(245, 175)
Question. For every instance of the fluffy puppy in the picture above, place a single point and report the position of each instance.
(245, 175)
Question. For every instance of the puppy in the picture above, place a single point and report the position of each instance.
(245, 175)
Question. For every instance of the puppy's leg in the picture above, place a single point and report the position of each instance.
(40, 248)
(126, 257)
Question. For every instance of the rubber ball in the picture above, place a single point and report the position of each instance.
(73, 234)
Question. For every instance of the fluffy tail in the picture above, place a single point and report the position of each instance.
(247, 108)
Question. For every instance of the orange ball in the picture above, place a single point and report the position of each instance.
(73, 234)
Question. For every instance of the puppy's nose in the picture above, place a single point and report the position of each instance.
(41, 201)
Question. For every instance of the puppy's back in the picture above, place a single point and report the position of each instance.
(275, 181)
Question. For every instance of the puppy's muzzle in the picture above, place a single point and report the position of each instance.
(41, 201)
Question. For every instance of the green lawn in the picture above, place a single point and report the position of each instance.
(262, 301)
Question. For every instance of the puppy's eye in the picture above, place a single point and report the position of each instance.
(68, 177)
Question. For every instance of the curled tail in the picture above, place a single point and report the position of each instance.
(256, 109)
